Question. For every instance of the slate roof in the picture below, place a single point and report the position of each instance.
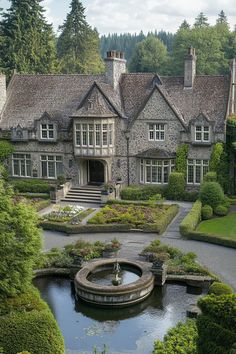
(29, 96)
(156, 153)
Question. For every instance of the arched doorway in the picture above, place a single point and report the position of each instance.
(96, 172)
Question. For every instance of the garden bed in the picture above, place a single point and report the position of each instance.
(148, 218)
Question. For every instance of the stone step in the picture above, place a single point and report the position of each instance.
(84, 192)
(78, 200)
(78, 196)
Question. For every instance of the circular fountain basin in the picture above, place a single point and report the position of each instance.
(110, 295)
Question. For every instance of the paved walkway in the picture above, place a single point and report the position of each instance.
(218, 259)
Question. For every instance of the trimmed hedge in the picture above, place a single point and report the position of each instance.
(218, 288)
(217, 324)
(191, 220)
(211, 193)
(176, 186)
(181, 339)
(207, 212)
(30, 328)
(141, 192)
(221, 210)
(200, 236)
(210, 177)
(30, 186)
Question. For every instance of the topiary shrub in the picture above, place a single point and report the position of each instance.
(210, 177)
(218, 288)
(207, 212)
(176, 186)
(221, 210)
(211, 194)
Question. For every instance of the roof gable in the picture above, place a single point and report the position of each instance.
(96, 104)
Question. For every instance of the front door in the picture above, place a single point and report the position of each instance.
(95, 172)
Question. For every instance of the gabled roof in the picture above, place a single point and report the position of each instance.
(96, 104)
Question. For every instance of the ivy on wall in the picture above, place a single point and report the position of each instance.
(217, 151)
(182, 159)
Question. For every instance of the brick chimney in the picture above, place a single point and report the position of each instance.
(190, 68)
(115, 67)
(3, 92)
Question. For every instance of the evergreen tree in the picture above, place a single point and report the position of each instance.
(222, 19)
(201, 21)
(150, 55)
(184, 25)
(28, 43)
(78, 44)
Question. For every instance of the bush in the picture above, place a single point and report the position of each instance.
(221, 210)
(217, 324)
(176, 186)
(31, 186)
(220, 289)
(190, 196)
(207, 212)
(141, 192)
(211, 194)
(210, 177)
(181, 339)
(30, 327)
(191, 220)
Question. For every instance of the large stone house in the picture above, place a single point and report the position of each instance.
(115, 126)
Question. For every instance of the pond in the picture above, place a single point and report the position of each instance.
(131, 330)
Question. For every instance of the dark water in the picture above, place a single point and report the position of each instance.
(129, 330)
(105, 277)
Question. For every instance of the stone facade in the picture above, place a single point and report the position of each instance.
(114, 127)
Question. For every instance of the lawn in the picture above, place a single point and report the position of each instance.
(224, 227)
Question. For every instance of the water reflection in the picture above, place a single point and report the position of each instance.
(129, 330)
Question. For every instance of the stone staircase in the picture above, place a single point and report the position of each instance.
(85, 194)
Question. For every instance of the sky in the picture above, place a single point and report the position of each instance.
(110, 16)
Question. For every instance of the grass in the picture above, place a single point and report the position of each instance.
(224, 227)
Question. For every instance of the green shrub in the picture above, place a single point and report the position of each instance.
(210, 177)
(191, 220)
(141, 192)
(217, 324)
(30, 327)
(190, 196)
(6, 149)
(211, 194)
(181, 339)
(221, 210)
(218, 288)
(182, 158)
(207, 212)
(218, 240)
(31, 186)
(176, 186)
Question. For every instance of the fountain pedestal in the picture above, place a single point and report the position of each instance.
(159, 270)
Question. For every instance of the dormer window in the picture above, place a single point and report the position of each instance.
(202, 133)
(47, 131)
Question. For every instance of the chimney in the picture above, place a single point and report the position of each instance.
(3, 92)
(190, 68)
(115, 66)
(233, 87)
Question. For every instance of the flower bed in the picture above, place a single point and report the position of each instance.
(71, 214)
(149, 218)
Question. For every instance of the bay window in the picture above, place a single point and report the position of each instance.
(94, 135)
(155, 171)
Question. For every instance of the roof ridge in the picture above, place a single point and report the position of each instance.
(59, 74)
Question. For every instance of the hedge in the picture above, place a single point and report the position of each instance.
(218, 288)
(31, 329)
(207, 212)
(176, 186)
(217, 324)
(31, 186)
(141, 192)
(191, 220)
(200, 236)
(211, 193)
(158, 227)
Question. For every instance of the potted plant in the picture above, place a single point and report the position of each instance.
(61, 180)
(111, 248)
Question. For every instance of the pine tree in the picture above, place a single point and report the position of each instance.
(28, 43)
(222, 19)
(184, 25)
(78, 44)
(201, 21)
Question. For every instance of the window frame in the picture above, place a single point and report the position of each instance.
(49, 160)
(156, 131)
(48, 131)
(158, 168)
(20, 160)
(197, 164)
(98, 134)
(202, 131)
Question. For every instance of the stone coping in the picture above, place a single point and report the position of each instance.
(145, 279)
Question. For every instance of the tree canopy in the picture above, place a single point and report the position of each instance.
(28, 42)
(78, 44)
(20, 243)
